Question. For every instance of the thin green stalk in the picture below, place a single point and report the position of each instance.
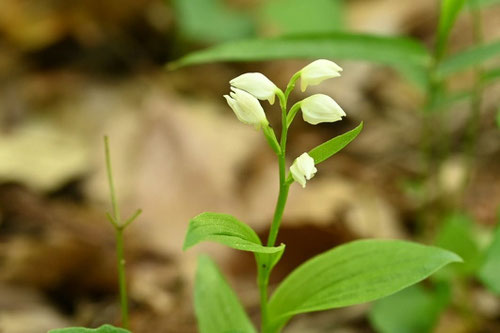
(122, 277)
(264, 271)
(119, 227)
(114, 202)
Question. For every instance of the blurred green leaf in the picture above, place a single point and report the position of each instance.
(354, 273)
(217, 308)
(447, 99)
(491, 75)
(225, 229)
(457, 234)
(412, 310)
(489, 272)
(299, 16)
(393, 51)
(327, 149)
(448, 15)
(484, 3)
(211, 21)
(102, 329)
(468, 58)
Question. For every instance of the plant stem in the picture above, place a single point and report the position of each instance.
(122, 277)
(119, 229)
(264, 270)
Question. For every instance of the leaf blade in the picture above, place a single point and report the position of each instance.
(393, 51)
(333, 146)
(448, 15)
(227, 230)
(468, 58)
(355, 273)
(217, 307)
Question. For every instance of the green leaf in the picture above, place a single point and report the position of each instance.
(469, 58)
(333, 146)
(412, 310)
(225, 229)
(490, 75)
(354, 273)
(211, 21)
(489, 272)
(313, 15)
(393, 51)
(217, 308)
(484, 3)
(457, 235)
(449, 13)
(102, 329)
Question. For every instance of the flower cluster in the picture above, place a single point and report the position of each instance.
(247, 89)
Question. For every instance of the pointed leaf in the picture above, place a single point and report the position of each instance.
(393, 51)
(469, 58)
(216, 305)
(333, 146)
(354, 273)
(102, 329)
(225, 229)
(449, 13)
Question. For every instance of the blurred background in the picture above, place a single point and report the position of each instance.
(73, 71)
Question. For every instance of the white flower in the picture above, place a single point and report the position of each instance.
(303, 169)
(246, 107)
(321, 108)
(318, 71)
(256, 84)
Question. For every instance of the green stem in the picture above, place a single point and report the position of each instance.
(122, 277)
(264, 270)
(119, 229)
(114, 202)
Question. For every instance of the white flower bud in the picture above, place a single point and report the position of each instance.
(321, 108)
(303, 169)
(256, 84)
(246, 107)
(318, 71)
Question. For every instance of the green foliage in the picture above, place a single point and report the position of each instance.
(449, 13)
(457, 234)
(484, 3)
(299, 16)
(102, 329)
(329, 148)
(354, 273)
(227, 230)
(211, 21)
(217, 308)
(469, 58)
(412, 310)
(489, 272)
(394, 51)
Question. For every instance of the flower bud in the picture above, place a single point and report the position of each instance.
(256, 84)
(246, 107)
(318, 71)
(321, 108)
(303, 169)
